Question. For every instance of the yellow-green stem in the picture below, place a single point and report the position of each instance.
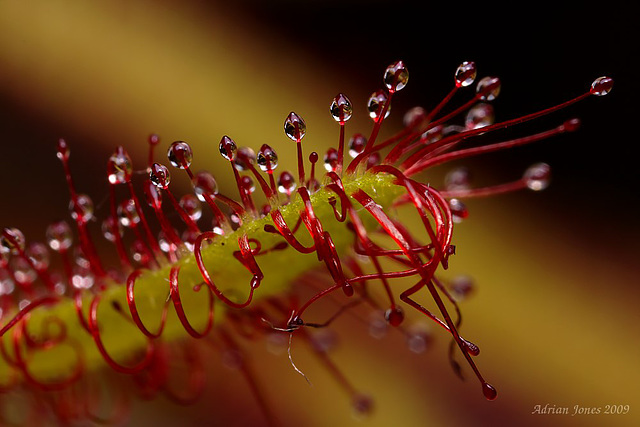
(125, 342)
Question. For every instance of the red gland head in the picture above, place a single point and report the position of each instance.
(286, 183)
(488, 88)
(119, 167)
(357, 144)
(466, 74)
(341, 109)
(59, 236)
(160, 176)
(394, 316)
(180, 154)
(204, 185)
(244, 158)
(228, 148)
(295, 127)
(12, 241)
(331, 160)
(601, 86)
(537, 177)
(396, 76)
(63, 150)
(376, 104)
(267, 158)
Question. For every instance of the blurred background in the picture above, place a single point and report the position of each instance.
(555, 309)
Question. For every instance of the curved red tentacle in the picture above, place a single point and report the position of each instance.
(197, 251)
(46, 344)
(177, 304)
(48, 300)
(95, 333)
(135, 316)
(249, 260)
(287, 234)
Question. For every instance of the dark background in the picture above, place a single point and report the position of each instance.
(544, 52)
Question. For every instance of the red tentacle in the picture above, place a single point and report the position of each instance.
(95, 333)
(135, 316)
(177, 304)
(197, 250)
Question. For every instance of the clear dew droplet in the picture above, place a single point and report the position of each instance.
(139, 253)
(4, 259)
(286, 183)
(457, 179)
(180, 154)
(376, 103)
(216, 228)
(192, 206)
(324, 340)
(82, 278)
(62, 150)
(374, 159)
(160, 176)
(331, 160)
(267, 158)
(7, 284)
(458, 209)
(128, 214)
(59, 236)
(204, 185)
(537, 176)
(244, 157)
(276, 343)
(189, 238)
(60, 285)
(479, 116)
(119, 167)
(414, 116)
(154, 139)
(166, 245)
(153, 195)
(227, 148)
(81, 208)
(12, 241)
(22, 271)
(419, 338)
(466, 74)
(488, 88)
(341, 109)
(357, 144)
(396, 76)
(461, 287)
(434, 134)
(80, 258)
(294, 127)
(378, 327)
(247, 184)
(601, 86)
(110, 227)
(39, 255)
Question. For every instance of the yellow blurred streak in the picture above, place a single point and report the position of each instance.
(554, 313)
(124, 69)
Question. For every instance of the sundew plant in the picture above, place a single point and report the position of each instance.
(207, 268)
